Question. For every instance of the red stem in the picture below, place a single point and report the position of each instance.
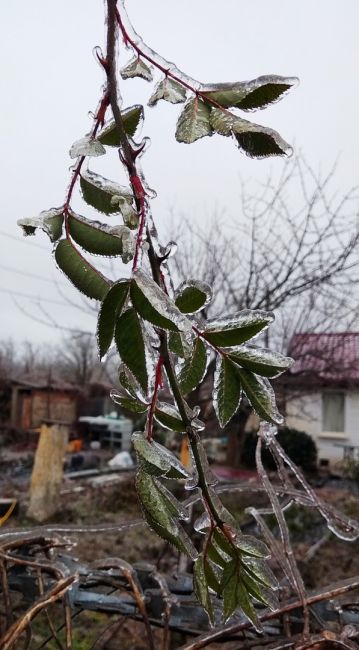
(158, 384)
(127, 39)
(139, 193)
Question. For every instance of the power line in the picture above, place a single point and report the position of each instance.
(23, 240)
(26, 273)
(32, 297)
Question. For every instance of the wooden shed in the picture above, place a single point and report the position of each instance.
(32, 402)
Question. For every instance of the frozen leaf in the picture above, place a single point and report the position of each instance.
(260, 570)
(169, 90)
(87, 146)
(155, 306)
(251, 546)
(227, 390)
(162, 511)
(212, 577)
(50, 221)
(136, 68)
(169, 417)
(222, 121)
(192, 296)
(193, 123)
(129, 214)
(251, 95)
(240, 328)
(194, 368)
(178, 344)
(101, 239)
(235, 594)
(131, 118)
(110, 309)
(200, 585)
(128, 403)
(130, 383)
(221, 511)
(99, 192)
(259, 141)
(131, 345)
(223, 543)
(256, 590)
(158, 460)
(260, 360)
(202, 523)
(80, 272)
(261, 396)
(216, 557)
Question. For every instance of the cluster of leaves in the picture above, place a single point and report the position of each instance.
(154, 328)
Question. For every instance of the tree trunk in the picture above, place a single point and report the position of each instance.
(47, 473)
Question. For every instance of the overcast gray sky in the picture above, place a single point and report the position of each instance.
(50, 81)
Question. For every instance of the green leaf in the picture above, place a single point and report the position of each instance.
(131, 118)
(260, 571)
(223, 543)
(111, 308)
(193, 123)
(169, 417)
(259, 141)
(169, 90)
(211, 577)
(246, 605)
(227, 390)
(256, 141)
(194, 368)
(101, 239)
(87, 146)
(103, 194)
(192, 296)
(136, 68)
(128, 403)
(50, 221)
(250, 95)
(238, 329)
(131, 345)
(200, 585)
(80, 272)
(158, 460)
(262, 361)
(261, 396)
(129, 383)
(216, 557)
(179, 344)
(161, 511)
(229, 588)
(264, 595)
(251, 546)
(155, 306)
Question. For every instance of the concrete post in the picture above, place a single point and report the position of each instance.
(48, 470)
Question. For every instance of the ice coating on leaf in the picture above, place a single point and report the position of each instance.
(100, 239)
(261, 570)
(87, 146)
(220, 509)
(237, 329)
(136, 68)
(158, 459)
(99, 191)
(130, 383)
(169, 250)
(254, 140)
(202, 523)
(192, 296)
(227, 390)
(168, 416)
(193, 123)
(194, 368)
(128, 212)
(80, 272)
(50, 221)
(128, 402)
(200, 585)
(251, 546)
(131, 118)
(250, 95)
(169, 90)
(260, 395)
(262, 361)
(211, 479)
(160, 302)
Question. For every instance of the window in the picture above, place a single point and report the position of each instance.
(333, 412)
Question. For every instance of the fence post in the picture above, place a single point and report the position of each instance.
(48, 470)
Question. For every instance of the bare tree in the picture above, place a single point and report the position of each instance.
(293, 249)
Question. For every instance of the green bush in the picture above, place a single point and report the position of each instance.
(299, 446)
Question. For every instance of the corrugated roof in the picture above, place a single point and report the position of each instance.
(332, 357)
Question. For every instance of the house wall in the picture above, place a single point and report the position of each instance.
(305, 413)
(37, 405)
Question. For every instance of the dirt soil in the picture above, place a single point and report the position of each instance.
(87, 502)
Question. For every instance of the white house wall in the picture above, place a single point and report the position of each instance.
(305, 413)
